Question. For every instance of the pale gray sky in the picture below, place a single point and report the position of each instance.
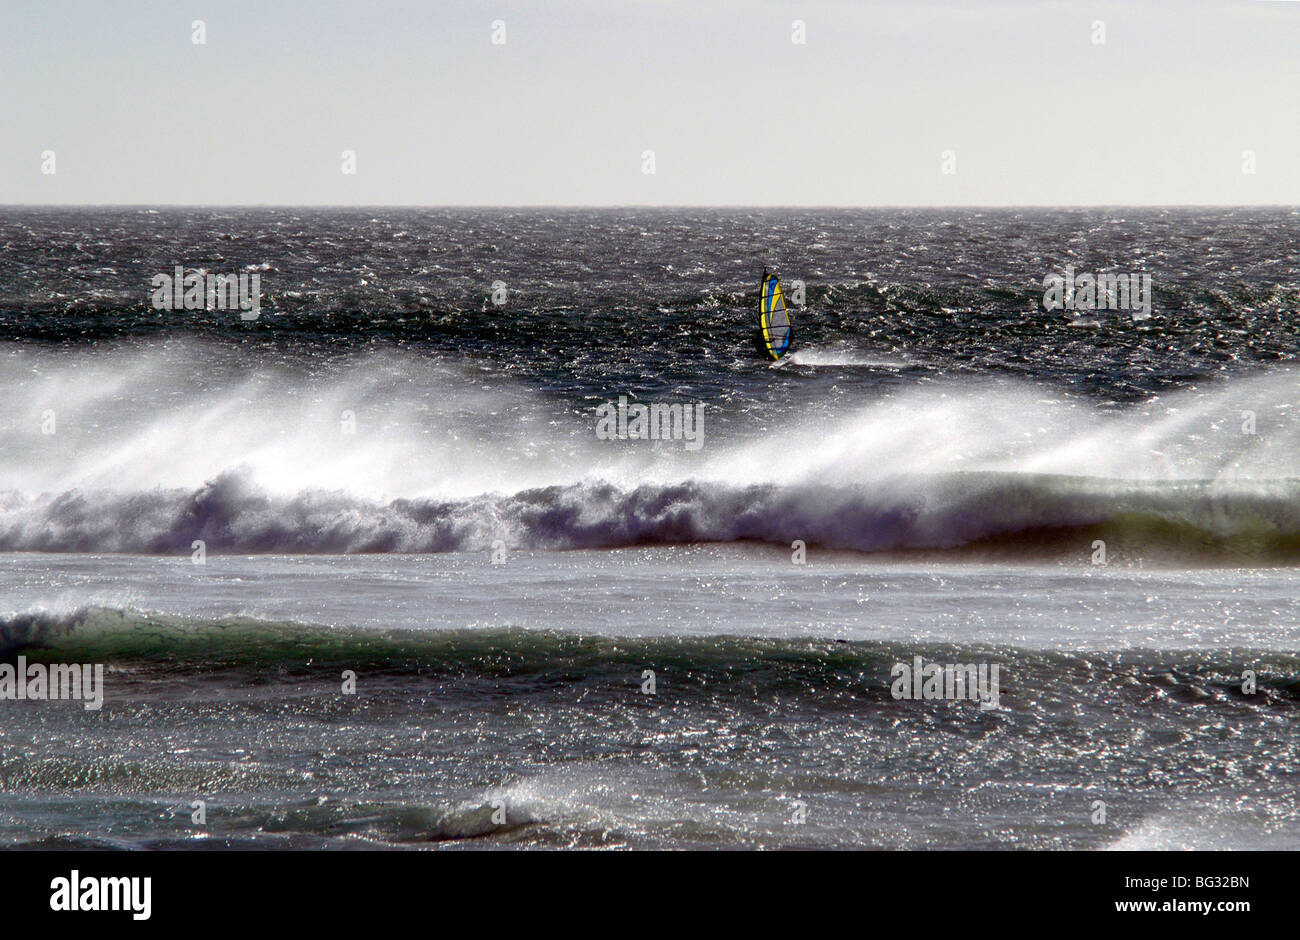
(735, 112)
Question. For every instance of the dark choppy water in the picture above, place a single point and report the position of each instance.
(654, 299)
(947, 450)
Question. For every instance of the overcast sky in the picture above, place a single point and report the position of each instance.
(1034, 111)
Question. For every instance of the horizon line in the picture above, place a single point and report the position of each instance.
(632, 205)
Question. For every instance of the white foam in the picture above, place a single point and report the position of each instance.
(843, 357)
(179, 415)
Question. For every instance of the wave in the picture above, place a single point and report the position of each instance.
(448, 728)
(144, 640)
(1025, 515)
(147, 450)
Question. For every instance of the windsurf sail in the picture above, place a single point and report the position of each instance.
(773, 317)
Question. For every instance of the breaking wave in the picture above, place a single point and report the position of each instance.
(147, 449)
(1016, 513)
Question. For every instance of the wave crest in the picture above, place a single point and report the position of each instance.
(1029, 514)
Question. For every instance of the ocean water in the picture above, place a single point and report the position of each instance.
(550, 639)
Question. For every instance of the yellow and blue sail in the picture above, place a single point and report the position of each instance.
(773, 317)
